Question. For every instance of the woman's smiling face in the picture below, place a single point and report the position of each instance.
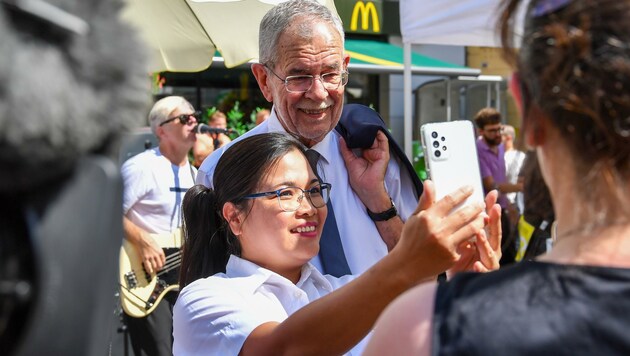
(279, 240)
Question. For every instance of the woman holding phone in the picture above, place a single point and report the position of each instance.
(572, 76)
(247, 285)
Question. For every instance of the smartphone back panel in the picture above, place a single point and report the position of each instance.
(450, 155)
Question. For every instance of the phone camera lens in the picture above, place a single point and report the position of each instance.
(438, 153)
(434, 134)
(443, 148)
(443, 138)
(436, 144)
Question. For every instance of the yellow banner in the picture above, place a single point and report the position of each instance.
(525, 232)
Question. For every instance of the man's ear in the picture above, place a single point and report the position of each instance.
(346, 61)
(159, 132)
(232, 215)
(262, 77)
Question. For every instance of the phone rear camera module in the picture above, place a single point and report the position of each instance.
(434, 134)
(438, 153)
(436, 144)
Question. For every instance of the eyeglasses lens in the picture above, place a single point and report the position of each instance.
(291, 198)
(302, 83)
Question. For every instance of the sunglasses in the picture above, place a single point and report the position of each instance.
(184, 119)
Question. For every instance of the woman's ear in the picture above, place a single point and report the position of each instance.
(232, 215)
(536, 126)
(515, 89)
(533, 118)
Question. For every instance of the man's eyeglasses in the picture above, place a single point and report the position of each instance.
(290, 198)
(494, 130)
(303, 83)
(184, 119)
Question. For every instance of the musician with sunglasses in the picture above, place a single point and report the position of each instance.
(155, 182)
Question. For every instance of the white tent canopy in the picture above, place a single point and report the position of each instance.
(445, 22)
(449, 22)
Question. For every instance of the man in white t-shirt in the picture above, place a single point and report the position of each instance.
(513, 162)
(303, 72)
(155, 182)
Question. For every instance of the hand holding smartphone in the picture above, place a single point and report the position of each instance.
(450, 156)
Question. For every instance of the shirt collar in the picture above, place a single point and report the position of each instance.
(240, 268)
(328, 146)
(310, 272)
(273, 123)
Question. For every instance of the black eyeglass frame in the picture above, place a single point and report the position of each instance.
(345, 75)
(184, 119)
(305, 193)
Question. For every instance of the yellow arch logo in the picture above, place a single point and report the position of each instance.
(365, 9)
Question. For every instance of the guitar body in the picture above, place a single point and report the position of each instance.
(141, 292)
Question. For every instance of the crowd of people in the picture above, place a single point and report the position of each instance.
(285, 240)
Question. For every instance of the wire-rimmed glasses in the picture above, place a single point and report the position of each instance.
(303, 83)
(290, 198)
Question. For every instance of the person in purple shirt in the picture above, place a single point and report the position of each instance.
(491, 152)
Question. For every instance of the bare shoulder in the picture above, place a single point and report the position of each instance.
(404, 327)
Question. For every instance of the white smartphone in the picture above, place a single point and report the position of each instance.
(450, 156)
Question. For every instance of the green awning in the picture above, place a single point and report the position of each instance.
(374, 56)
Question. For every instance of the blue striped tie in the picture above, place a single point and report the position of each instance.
(330, 249)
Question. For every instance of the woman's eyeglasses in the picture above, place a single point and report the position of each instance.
(184, 119)
(290, 198)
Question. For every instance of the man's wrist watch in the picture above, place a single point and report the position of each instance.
(384, 215)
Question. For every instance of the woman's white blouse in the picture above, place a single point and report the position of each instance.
(215, 315)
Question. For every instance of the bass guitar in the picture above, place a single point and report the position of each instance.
(140, 291)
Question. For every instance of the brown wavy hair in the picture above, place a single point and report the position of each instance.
(574, 64)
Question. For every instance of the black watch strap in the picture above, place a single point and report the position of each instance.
(384, 215)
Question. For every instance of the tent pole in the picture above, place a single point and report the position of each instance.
(497, 90)
(448, 99)
(488, 95)
(408, 130)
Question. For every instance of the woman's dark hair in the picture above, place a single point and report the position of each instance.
(574, 64)
(208, 240)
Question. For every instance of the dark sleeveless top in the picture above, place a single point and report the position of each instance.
(534, 308)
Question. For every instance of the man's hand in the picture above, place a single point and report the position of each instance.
(151, 253)
(367, 172)
(147, 249)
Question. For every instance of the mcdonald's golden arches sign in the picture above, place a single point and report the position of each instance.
(361, 16)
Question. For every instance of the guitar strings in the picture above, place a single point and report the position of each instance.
(172, 261)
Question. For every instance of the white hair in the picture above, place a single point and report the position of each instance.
(163, 108)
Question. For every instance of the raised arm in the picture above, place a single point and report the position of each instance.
(367, 179)
(335, 323)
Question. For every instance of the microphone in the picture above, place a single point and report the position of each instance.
(203, 128)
